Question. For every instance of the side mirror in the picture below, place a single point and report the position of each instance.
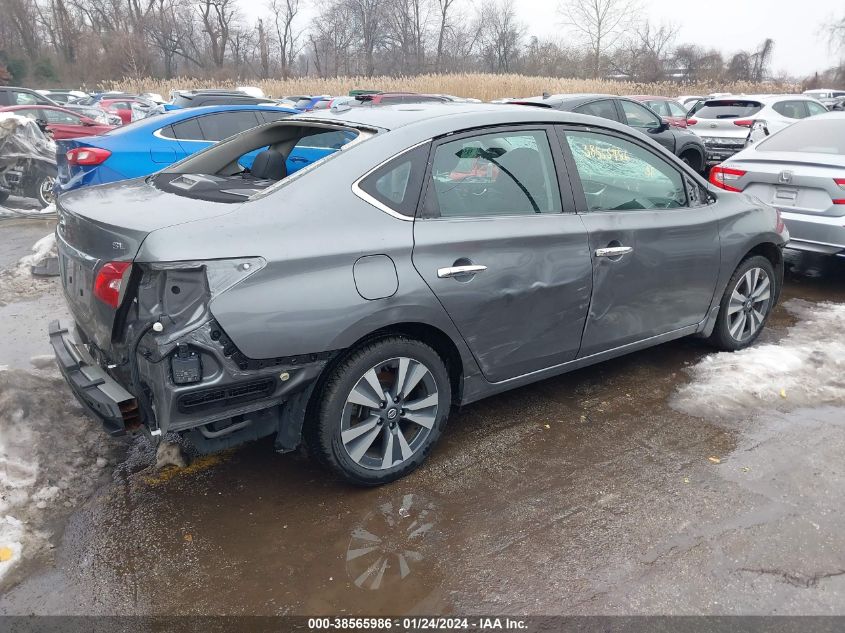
(660, 127)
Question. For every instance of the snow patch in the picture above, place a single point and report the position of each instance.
(52, 457)
(45, 213)
(18, 282)
(804, 369)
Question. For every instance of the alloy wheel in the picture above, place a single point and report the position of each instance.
(389, 413)
(45, 191)
(749, 304)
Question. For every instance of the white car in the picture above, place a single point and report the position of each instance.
(826, 96)
(724, 123)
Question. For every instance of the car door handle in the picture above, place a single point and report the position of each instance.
(456, 271)
(614, 251)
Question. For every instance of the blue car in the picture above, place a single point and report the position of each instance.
(149, 145)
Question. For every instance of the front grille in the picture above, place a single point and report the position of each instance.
(221, 397)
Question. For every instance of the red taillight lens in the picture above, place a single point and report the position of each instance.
(110, 282)
(841, 183)
(692, 121)
(780, 227)
(87, 156)
(723, 176)
(744, 122)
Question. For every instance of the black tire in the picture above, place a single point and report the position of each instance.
(4, 195)
(44, 198)
(722, 338)
(694, 160)
(323, 430)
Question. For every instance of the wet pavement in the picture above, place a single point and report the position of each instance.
(584, 494)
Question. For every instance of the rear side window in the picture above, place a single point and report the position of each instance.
(604, 109)
(397, 184)
(791, 109)
(815, 136)
(24, 98)
(815, 108)
(504, 173)
(732, 109)
(270, 117)
(216, 127)
(187, 130)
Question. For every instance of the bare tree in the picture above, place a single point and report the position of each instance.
(217, 17)
(263, 50)
(444, 6)
(406, 31)
(501, 35)
(284, 14)
(600, 22)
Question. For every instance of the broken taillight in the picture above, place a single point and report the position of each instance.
(111, 281)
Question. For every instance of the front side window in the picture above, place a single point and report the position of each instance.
(676, 109)
(619, 175)
(505, 173)
(604, 109)
(64, 118)
(660, 107)
(639, 116)
(23, 98)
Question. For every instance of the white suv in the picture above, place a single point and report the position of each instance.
(724, 123)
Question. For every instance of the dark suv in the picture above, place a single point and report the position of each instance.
(196, 98)
(685, 145)
(12, 96)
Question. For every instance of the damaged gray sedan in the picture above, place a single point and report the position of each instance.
(435, 256)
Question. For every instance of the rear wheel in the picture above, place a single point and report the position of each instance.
(694, 160)
(4, 195)
(746, 304)
(45, 194)
(381, 411)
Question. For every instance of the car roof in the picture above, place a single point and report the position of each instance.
(571, 100)
(650, 97)
(441, 118)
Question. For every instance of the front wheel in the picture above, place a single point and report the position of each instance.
(381, 411)
(746, 305)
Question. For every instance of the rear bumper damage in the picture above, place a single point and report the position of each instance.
(232, 399)
(98, 392)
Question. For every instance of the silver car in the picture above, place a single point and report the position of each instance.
(724, 123)
(425, 257)
(801, 171)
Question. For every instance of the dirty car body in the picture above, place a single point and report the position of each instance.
(439, 256)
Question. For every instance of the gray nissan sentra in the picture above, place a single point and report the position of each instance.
(437, 255)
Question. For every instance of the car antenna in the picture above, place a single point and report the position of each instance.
(546, 95)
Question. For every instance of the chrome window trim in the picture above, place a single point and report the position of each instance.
(363, 195)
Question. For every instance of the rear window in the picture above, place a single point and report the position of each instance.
(303, 103)
(816, 136)
(728, 109)
(182, 101)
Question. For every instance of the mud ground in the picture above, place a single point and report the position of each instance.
(585, 494)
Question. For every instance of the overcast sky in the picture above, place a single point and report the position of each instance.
(801, 45)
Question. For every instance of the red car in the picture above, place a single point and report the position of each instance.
(62, 123)
(121, 106)
(385, 98)
(673, 112)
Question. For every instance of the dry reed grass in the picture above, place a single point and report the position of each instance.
(481, 86)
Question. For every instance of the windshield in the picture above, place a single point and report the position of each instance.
(813, 136)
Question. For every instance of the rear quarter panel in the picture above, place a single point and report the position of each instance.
(311, 231)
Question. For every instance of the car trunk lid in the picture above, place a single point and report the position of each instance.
(105, 224)
(796, 183)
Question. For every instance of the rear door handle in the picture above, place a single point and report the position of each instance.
(456, 271)
(614, 251)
